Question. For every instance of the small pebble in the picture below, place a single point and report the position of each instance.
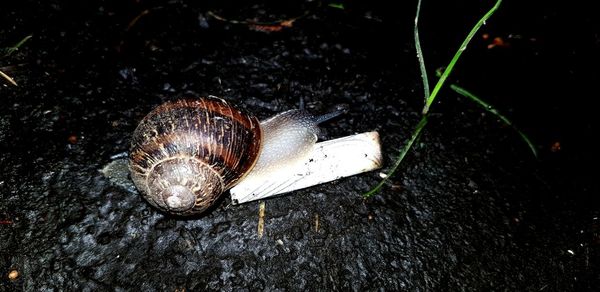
(13, 275)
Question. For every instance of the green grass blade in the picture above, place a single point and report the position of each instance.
(462, 48)
(400, 158)
(12, 49)
(431, 97)
(420, 55)
(492, 110)
(336, 5)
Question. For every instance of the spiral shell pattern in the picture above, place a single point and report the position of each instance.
(185, 153)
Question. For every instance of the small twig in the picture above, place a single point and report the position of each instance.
(218, 17)
(12, 81)
(316, 222)
(261, 219)
(280, 22)
(136, 19)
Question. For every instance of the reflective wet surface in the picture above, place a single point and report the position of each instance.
(470, 207)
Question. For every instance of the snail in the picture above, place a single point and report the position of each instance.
(184, 154)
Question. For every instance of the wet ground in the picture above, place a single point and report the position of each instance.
(470, 209)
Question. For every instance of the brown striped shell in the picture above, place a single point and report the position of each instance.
(185, 153)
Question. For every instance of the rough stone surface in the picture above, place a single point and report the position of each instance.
(470, 208)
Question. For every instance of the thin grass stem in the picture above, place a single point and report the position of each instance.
(488, 107)
(12, 49)
(416, 133)
(423, 122)
(420, 56)
(457, 55)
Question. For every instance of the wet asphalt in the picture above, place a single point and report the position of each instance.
(469, 209)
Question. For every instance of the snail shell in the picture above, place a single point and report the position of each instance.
(185, 153)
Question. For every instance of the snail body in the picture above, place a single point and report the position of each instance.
(184, 154)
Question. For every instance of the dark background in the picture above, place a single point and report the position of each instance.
(469, 209)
